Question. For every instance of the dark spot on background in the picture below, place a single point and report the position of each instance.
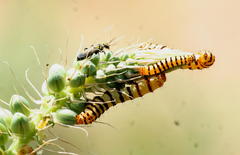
(177, 123)
(196, 145)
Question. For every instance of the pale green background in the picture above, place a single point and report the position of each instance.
(206, 103)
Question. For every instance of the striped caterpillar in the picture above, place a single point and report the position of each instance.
(194, 61)
(133, 89)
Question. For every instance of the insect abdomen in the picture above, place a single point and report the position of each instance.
(133, 90)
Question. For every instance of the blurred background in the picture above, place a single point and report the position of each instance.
(195, 113)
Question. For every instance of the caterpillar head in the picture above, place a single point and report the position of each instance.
(206, 59)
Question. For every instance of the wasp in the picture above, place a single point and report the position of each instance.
(93, 49)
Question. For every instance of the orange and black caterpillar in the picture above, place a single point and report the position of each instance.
(194, 61)
(133, 89)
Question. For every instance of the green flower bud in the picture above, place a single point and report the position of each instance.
(5, 117)
(76, 78)
(89, 69)
(115, 60)
(105, 56)
(108, 55)
(124, 57)
(101, 76)
(77, 107)
(66, 116)
(56, 78)
(19, 104)
(3, 135)
(110, 69)
(20, 125)
(95, 59)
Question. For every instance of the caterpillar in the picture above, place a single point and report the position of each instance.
(134, 89)
(194, 61)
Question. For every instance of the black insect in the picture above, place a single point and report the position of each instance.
(93, 49)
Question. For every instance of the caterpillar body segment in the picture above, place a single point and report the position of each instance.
(166, 64)
(133, 89)
(203, 60)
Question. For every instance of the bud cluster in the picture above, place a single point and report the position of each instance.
(64, 97)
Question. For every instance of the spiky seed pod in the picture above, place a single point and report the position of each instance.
(5, 117)
(89, 69)
(20, 125)
(66, 116)
(76, 78)
(95, 59)
(56, 79)
(3, 135)
(19, 104)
